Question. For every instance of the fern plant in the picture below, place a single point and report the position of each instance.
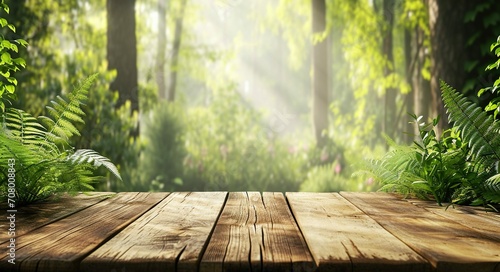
(44, 161)
(462, 166)
(430, 167)
(481, 132)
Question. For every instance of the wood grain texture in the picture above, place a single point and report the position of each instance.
(257, 233)
(480, 220)
(447, 245)
(169, 237)
(39, 214)
(342, 238)
(61, 245)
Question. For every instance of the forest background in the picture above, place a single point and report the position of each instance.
(281, 95)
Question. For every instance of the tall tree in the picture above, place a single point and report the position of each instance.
(176, 50)
(417, 58)
(389, 126)
(446, 22)
(162, 45)
(122, 51)
(320, 73)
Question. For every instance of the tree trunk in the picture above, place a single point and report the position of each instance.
(446, 21)
(175, 52)
(410, 97)
(389, 125)
(320, 74)
(162, 44)
(122, 51)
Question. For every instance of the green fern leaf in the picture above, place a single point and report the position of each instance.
(25, 128)
(92, 157)
(478, 128)
(64, 114)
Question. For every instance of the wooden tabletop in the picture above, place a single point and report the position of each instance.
(249, 231)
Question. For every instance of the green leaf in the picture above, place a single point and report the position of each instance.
(12, 80)
(10, 88)
(14, 48)
(22, 42)
(3, 22)
(20, 61)
(491, 107)
(6, 57)
(497, 82)
(482, 91)
(493, 45)
(12, 27)
(5, 74)
(6, 43)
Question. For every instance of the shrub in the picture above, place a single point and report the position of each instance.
(459, 167)
(164, 152)
(44, 162)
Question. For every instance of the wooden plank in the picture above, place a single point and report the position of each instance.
(342, 238)
(448, 245)
(39, 214)
(171, 236)
(486, 223)
(257, 233)
(60, 246)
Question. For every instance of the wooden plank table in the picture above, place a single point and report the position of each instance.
(249, 231)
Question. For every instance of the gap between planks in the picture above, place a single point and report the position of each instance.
(445, 243)
(170, 237)
(257, 232)
(342, 238)
(61, 245)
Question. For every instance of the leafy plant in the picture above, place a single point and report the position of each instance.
(164, 151)
(481, 132)
(44, 162)
(426, 168)
(8, 64)
(494, 103)
(461, 166)
(229, 147)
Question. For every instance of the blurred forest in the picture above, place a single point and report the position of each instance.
(281, 95)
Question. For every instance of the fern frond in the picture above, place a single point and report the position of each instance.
(64, 114)
(491, 189)
(25, 128)
(478, 129)
(92, 157)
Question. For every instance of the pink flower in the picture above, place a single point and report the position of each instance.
(370, 181)
(338, 168)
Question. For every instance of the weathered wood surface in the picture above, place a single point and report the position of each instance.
(169, 237)
(61, 245)
(35, 216)
(240, 231)
(446, 244)
(257, 232)
(341, 237)
(488, 223)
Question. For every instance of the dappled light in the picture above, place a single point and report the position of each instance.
(233, 95)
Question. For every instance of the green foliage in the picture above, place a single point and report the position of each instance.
(480, 131)
(9, 65)
(44, 162)
(432, 166)
(459, 167)
(494, 103)
(481, 23)
(164, 151)
(230, 148)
